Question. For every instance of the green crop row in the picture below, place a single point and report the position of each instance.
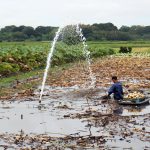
(27, 56)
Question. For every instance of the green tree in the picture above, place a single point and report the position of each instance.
(69, 35)
(29, 31)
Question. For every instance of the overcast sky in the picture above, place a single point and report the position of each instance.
(60, 12)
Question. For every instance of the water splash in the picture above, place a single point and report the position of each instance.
(87, 55)
(85, 51)
(48, 64)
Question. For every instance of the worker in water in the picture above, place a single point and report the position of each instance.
(116, 89)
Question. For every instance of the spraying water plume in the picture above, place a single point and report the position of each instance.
(82, 39)
(48, 64)
(87, 55)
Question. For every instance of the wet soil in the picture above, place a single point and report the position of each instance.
(73, 118)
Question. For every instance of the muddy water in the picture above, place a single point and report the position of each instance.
(32, 117)
(28, 117)
(48, 118)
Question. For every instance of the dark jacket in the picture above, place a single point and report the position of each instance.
(117, 90)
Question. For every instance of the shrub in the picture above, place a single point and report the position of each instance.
(99, 52)
(125, 50)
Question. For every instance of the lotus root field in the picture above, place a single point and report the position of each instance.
(72, 116)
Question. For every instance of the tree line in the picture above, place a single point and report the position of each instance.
(94, 32)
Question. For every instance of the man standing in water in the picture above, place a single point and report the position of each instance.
(116, 89)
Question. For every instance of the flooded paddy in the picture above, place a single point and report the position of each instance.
(73, 118)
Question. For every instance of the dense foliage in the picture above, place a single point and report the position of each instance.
(99, 32)
(22, 33)
(27, 56)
